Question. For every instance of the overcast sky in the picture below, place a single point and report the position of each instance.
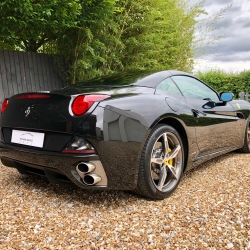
(232, 51)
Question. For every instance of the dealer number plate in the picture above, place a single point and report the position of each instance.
(27, 138)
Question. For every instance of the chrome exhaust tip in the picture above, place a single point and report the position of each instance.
(91, 179)
(91, 173)
(83, 168)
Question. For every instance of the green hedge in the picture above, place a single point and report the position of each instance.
(221, 81)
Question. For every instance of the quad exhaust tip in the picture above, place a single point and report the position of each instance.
(91, 179)
(85, 169)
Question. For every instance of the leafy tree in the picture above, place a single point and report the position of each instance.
(158, 34)
(28, 24)
(142, 34)
(97, 37)
(87, 47)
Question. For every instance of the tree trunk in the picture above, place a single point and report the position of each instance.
(31, 46)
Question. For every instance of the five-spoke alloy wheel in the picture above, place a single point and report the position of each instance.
(162, 163)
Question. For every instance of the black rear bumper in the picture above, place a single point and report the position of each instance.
(59, 168)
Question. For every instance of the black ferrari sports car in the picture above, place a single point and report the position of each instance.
(132, 131)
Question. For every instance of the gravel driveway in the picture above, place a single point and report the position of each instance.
(209, 210)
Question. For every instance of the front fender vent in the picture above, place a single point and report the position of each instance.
(240, 115)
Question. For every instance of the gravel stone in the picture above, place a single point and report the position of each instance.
(209, 210)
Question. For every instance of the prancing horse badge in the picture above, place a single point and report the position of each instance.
(27, 112)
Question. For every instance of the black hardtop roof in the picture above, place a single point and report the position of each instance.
(154, 79)
(145, 78)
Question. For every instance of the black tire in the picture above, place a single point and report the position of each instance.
(246, 146)
(161, 164)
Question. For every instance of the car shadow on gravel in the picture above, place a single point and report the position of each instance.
(74, 193)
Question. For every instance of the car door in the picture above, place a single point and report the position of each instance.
(215, 126)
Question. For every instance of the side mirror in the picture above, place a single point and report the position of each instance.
(226, 96)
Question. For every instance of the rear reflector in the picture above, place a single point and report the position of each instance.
(90, 151)
(78, 145)
(4, 105)
(33, 96)
(82, 103)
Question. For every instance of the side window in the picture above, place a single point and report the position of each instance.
(169, 86)
(193, 88)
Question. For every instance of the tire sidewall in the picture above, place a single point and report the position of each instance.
(159, 130)
(247, 143)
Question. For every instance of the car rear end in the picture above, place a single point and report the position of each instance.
(37, 136)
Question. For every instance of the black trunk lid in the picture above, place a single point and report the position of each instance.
(46, 114)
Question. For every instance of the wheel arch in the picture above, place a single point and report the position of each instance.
(178, 126)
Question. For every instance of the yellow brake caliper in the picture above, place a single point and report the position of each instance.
(170, 161)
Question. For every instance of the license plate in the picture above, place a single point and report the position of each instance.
(33, 139)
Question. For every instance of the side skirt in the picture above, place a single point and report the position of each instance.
(200, 159)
